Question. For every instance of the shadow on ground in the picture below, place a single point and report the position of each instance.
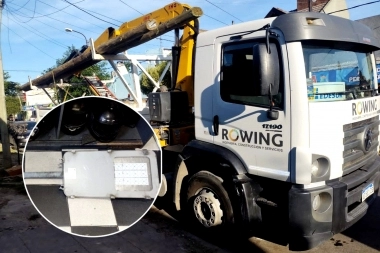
(370, 223)
(229, 239)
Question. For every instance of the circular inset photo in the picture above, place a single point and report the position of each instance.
(92, 166)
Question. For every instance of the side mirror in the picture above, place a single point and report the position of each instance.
(268, 73)
(266, 69)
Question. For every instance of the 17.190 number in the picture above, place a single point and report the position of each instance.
(272, 126)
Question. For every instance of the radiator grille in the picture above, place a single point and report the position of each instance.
(360, 144)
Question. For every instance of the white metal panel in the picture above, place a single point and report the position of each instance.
(43, 161)
(93, 173)
(203, 92)
(241, 125)
(43, 181)
(91, 212)
(326, 128)
(208, 37)
(67, 229)
(299, 115)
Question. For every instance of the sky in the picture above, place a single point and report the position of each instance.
(33, 32)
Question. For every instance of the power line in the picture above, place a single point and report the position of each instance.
(223, 11)
(356, 6)
(44, 15)
(9, 43)
(72, 34)
(21, 6)
(61, 22)
(29, 42)
(58, 10)
(34, 11)
(215, 19)
(131, 7)
(11, 11)
(38, 33)
(164, 39)
(89, 13)
(97, 13)
(21, 70)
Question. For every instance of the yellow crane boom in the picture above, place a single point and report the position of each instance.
(133, 33)
(184, 78)
(154, 18)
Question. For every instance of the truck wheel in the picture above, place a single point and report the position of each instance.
(208, 202)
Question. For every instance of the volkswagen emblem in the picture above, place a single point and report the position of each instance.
(368, 139)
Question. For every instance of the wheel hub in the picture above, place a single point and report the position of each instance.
(207, 208)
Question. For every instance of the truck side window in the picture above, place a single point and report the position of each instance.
(237, 76)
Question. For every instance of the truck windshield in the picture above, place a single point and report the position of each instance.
(336, 74)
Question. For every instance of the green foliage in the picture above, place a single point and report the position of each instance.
(73, 91)
(100, 70)
(78, 90)
(155, 72)
(12, 105)
(10, 87)
(12, 102)
(60, 61)
(128, 65)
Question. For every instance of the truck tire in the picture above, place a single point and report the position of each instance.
(208, 203)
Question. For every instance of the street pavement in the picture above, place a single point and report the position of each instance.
(22, 229)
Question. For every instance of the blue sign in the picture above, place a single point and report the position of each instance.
(350, 76)
(28, 108)
(347, 75)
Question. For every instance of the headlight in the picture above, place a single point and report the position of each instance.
(320, 169)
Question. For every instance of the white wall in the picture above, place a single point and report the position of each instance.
(336, 5)
(39, 97)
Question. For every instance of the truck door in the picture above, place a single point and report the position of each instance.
(241, 119)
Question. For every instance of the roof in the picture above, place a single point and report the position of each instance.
(275, 12)
(302, 6)
(316, 8)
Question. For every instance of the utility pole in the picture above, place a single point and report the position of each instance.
(7, 160)
(311, 5)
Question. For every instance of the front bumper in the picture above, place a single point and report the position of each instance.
(310, 227)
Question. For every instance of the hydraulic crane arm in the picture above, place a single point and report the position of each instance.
(128, 35)
(152, 19)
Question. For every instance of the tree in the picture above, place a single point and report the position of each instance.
(100, 70)
(10, 87)
(155, 72)
(12, 102)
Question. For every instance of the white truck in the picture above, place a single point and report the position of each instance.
(286, 121)
(273, 122)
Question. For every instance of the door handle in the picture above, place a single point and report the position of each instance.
(215, 125)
